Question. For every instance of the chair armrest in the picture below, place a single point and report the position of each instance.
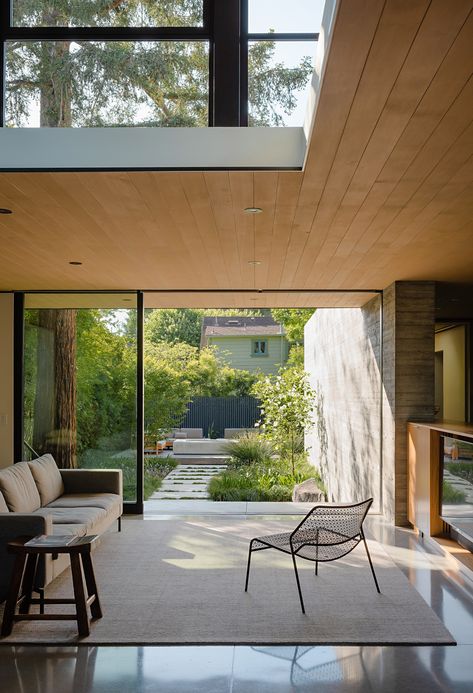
(92, 481)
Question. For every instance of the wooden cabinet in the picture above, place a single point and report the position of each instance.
(423, 444)
(424, 478)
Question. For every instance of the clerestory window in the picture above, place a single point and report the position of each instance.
(156, 63)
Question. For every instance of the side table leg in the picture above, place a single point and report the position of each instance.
(79, 595)
(95, 607)
(28, 579)
(13, 592)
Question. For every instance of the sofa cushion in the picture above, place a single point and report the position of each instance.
(19, 489)
(71, 516)
(3, 505)
(75, 530)
(47, 477)
(106, 501)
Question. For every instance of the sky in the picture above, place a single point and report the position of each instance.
(284, 16)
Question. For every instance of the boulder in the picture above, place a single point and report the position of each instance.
(308, 492)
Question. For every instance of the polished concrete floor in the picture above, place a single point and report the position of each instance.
(445, 584)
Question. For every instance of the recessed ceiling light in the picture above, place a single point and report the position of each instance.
(75, 262)
(4, 210)
(252, 210)
(254, 262)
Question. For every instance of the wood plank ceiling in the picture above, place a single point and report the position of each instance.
(385, 194)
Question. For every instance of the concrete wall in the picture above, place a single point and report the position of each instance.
(408, 382)
(343, 359)
(6, 379)
(237, 352)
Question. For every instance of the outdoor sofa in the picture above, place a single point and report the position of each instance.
(38, 498)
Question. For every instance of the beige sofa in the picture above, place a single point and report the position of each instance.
(38, 498)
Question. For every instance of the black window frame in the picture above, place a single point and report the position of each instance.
(224, 28)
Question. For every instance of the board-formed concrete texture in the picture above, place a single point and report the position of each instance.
(408, 382)
(363, 403)
(343, 359)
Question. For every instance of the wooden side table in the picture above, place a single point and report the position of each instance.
(22, 583)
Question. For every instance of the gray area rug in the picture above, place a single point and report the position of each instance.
(181, 582)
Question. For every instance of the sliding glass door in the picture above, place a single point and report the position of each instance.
(81, 381)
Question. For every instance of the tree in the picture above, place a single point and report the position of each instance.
(167, 388)
(106, 382)
(175, 373)
(97, 84)
(287, 402)
(294, 320)
(174, 325)
(55, 411)
(271, 86)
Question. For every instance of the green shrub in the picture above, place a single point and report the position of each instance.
(451, 494)
(155, 469)
(250, 448)
(271, 480)
(462, 469)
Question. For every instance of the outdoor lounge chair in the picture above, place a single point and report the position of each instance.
(326, 533)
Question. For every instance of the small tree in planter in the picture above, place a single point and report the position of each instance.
(287, 402)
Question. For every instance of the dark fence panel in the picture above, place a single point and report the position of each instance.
(214, 414)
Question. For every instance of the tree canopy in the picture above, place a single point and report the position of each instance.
(111, 83)
(287, 404)
(173, 325)
(294, 320)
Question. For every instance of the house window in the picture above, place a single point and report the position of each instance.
(259, 347)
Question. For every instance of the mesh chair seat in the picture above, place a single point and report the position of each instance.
(326, 533)
(329, 546)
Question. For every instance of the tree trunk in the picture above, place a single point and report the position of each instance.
(55, 417)
(55, 91)
(43, 420)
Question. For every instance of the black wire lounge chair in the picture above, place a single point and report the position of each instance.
(326, 533)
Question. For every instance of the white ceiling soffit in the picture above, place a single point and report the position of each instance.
(169, 148)
(151, 148)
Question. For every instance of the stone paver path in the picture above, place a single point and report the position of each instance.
(187, 481)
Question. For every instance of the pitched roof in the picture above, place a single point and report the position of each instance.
(240, 325)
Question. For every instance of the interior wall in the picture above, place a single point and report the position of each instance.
(6, 379)
(451, 343)
(343, 358)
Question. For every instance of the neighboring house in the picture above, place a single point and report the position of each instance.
(250, 343)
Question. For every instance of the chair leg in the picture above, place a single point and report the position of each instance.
(248, 565)
(316, 567)
(370, 562)
(40, 591)
(298, 583)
